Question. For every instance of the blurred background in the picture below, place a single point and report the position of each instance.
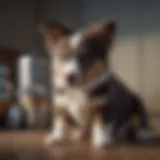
(135, 55)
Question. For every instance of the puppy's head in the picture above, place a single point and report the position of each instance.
(80, 56)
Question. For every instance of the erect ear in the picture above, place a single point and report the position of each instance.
(103, 31)
(54, 30)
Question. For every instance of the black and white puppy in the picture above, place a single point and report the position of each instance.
(85, 91)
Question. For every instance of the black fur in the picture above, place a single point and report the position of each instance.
(121, 105)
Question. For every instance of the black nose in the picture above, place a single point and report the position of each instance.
(72, 79)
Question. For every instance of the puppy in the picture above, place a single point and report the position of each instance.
(81, 76)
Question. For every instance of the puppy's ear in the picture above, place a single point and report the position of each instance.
(53, 30)
(103, 31)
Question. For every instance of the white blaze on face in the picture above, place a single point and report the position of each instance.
(75, 40)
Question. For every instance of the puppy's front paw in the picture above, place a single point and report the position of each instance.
(76, 135)
(102, 136)
(48, 140)
(98, 144)
(102, 142)
(53, 139)
(98, 140)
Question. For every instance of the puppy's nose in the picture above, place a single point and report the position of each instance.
(72, 79)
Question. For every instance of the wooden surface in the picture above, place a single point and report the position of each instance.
(28, 145)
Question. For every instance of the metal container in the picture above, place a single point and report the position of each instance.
(32, 72)
(33, 87)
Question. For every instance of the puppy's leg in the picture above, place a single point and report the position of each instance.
(82, 131)
(131, 128)
(81, 115)
(144, 131)
(75, 130)
(59, 132)
(97, 135)
(102, 134)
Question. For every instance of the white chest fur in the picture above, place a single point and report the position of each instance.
(75, 102)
